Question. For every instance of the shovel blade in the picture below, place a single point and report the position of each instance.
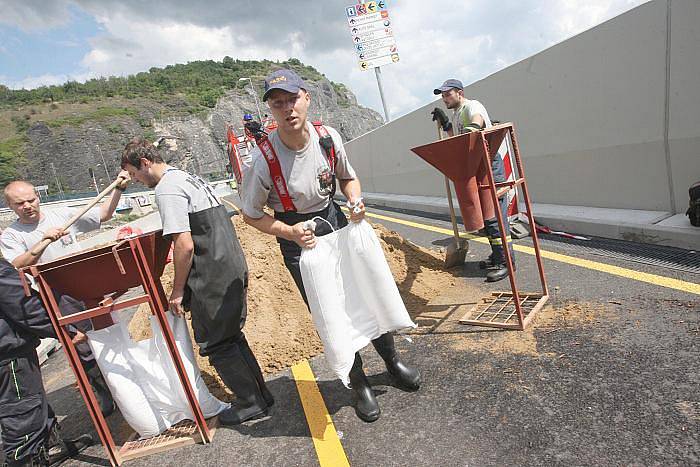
(456, 253)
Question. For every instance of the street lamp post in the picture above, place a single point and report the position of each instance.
(255, 96)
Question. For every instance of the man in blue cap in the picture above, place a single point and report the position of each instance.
(294, 172)
(471, 115)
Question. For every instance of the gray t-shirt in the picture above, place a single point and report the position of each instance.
(466, 112)
(19, 238)
(306, 173)
(178, 194)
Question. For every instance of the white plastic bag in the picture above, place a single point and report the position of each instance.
(142, 377)
(352, 294)
(111, 349)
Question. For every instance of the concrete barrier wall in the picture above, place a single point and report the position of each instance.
(600, 117)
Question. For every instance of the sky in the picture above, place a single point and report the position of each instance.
(44, 42)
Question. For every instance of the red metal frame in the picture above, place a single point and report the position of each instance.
(491, 139)
(96, 277)
(466, 160)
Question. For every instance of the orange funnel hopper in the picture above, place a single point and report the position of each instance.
(461, 159)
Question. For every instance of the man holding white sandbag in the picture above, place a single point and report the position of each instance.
(294, 172)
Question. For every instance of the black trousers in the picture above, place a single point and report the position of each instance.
(25, 414)
(291, 252)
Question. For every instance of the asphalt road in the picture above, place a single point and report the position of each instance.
(607, 375)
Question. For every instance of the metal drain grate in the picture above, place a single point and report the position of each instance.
(667, 257)
(181, 434)
(498, 310)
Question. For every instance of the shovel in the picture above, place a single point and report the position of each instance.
(457, 249)
(44, 243)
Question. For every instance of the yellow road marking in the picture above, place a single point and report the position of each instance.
(654, 279)
(328, 448)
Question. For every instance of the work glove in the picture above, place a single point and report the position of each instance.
(440, 117)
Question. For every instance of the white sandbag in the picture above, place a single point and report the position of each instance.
(352, 294)
(152, 398)
(111, 349)
(170, 394)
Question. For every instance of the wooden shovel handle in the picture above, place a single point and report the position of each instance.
(39, 247)
(453, 217)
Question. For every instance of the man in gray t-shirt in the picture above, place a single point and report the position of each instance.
(471, 115)
(294, 172)
(35, 224)
(211, 275)
(178, 194)
(302, 170)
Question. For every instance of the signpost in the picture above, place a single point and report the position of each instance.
(373, 39)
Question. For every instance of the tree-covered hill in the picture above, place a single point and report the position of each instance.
(51, 135)
(202, 83)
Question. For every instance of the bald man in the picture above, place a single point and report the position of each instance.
(34, 225)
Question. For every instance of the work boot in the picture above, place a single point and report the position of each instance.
(59, 450)
(501, 272)
(100, 388)
(255, 368)
(366, 405)
(488, 263)
(408, 378)
(237, 375)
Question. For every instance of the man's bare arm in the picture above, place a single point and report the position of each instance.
(183, 251)
(28, 259)
(294, 233)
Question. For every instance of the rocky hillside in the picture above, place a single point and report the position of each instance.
(56, 137)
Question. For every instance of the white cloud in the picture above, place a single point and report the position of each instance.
(31, 82)
(31, 15)
(452, 38)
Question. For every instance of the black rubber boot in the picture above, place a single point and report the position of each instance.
(99, 386)
(366, 405)
(255, 368)
(59, 450)
(408, 378)
(237, 375)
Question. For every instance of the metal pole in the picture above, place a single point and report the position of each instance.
(109, 178)
(94, 180)
(255, 96)
(58, 184)
(378, 72)
(257, 105)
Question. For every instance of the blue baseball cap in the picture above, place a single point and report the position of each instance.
(283, 79)
(447, 85)
(247, 117)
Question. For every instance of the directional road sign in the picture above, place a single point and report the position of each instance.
(372, 34)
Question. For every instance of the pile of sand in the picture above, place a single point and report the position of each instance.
(279, 326)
